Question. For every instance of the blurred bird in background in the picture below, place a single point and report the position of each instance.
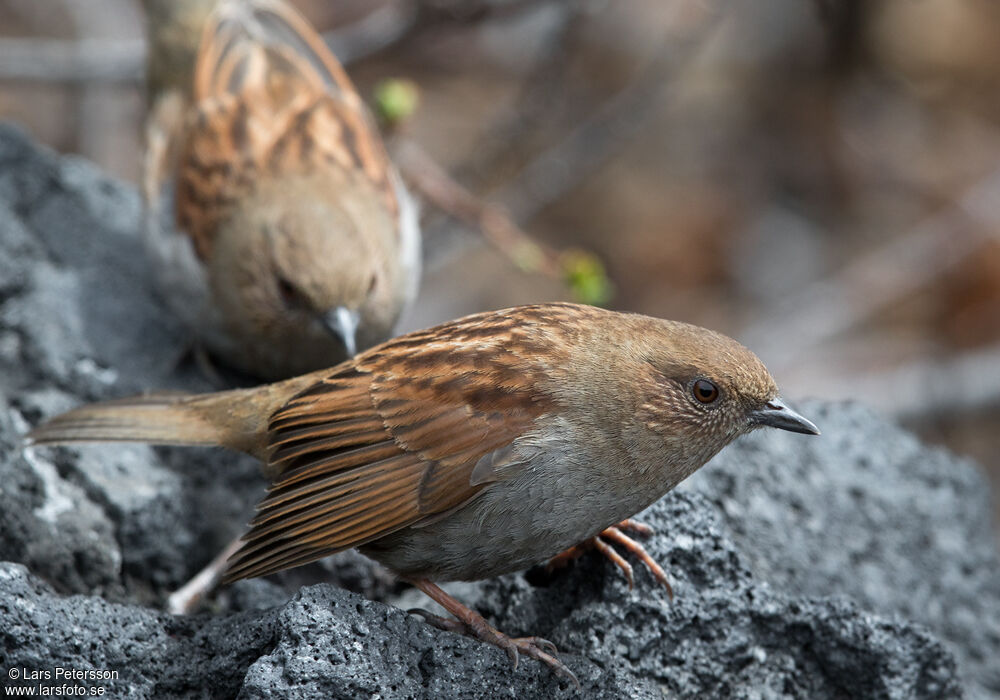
(300, 244)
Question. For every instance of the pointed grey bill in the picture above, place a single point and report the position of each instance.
(777, 414)
(343, 323)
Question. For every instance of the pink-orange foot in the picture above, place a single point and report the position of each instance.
(614, 535)
(468, 621)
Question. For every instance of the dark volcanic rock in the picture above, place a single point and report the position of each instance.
(869, 513)
(727, 634)
(154, 655)
(859, 564)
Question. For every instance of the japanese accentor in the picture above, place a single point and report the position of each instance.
(472, 449)
(302, 244)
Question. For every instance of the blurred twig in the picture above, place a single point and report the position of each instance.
(467, 11)
(437, 187)
(921, 389)
(554, 172)
(73, 61)
(94, 112)
(581, 271)
(561, 167)
(908, 263)
(124, 60)
(541, 109)
(374, 32)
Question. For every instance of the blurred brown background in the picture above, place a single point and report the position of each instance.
(820, 179)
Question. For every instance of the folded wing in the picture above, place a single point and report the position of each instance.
(389, 441)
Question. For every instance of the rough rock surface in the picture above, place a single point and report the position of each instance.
(868, 512)
(859, 564)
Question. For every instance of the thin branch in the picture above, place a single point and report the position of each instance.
(438, 188)
(539, 110)
(124, 60)
(376, 31)
(919, 389)
(909, 262)
(73, 61)
(560, 168)
(556, 171)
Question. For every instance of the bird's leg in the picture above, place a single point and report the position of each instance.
(635, 526)
(470, 622)
(572, 554)
(614, 535)
(184, 599)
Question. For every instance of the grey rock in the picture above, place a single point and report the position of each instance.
(867, 512)
(85, 313)
(861, 564)
(154, 655)
(726, 634)
(47, 522)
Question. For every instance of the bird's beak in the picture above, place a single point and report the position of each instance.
(777, 414)
(343, 323)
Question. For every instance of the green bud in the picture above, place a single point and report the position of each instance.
(396, 99)
(586, 277)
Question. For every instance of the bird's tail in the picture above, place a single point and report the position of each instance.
(235, 419)
(162, 419)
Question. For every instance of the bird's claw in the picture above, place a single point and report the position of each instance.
(614, 535)
(541, 650)
(618, 537)
(639, 528)
(469, 622)
(617, 559)
(442, 623)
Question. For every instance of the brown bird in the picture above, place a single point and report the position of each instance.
(472, 449)
(173, 32)
(302, 244)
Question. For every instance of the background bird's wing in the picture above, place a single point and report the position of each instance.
(243, 32)
(269, 99)
(391, 441)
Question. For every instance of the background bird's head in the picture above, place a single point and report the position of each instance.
(309, 266)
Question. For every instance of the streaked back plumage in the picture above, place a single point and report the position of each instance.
(268, 88)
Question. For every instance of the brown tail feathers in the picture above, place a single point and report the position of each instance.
(235, 419)
(163, 419)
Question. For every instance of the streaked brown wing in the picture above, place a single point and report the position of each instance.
(270, 100)
(387, 442)
(242, 24)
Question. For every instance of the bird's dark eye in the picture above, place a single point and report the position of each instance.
(289, 294)
(705, 391)
(371, 284)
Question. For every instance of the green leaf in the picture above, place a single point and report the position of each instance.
(586, 277)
